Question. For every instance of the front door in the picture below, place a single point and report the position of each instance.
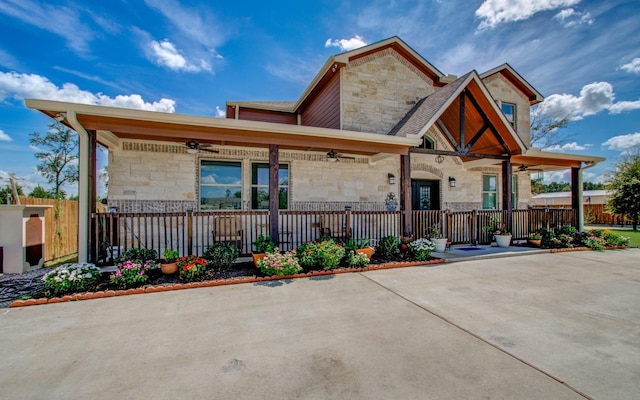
(425, 195)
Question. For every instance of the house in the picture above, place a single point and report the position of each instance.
(377, 127)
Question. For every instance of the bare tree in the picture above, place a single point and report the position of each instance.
(547, 130)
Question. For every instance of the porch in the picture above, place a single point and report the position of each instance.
(192, 232)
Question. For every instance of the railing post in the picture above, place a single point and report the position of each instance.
(347, 211)
(475, 227)
(190, 231)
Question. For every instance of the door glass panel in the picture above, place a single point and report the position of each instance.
(425, 197)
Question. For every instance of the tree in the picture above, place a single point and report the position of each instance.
(8, 193)
(546, 129)
(624, 183)
(39, 192)
(58, 155)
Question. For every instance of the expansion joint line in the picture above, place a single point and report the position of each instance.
(457, 326)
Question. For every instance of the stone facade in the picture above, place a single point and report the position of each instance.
(503, 91)
(378, 90)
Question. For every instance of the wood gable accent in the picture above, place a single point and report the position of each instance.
(323, 109)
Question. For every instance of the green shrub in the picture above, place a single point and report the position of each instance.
(351, 244)
(547, 237)
(264, 244)
(593, 242)
(275, 263)
(71, 278)
(221, 254)
(357, 260)
(326, 254)
(611, 239)
(422, 249)
(170, 255)
(307, 255)
(388, 246)
(566, 230)
(139, 254)
(565, 240)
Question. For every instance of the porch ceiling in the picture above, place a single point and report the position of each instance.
(156, 126)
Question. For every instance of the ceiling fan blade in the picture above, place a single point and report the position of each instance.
(346, 157)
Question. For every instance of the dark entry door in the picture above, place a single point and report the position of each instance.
(425, 195)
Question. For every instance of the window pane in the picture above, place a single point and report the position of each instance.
(260, 174)
(260, 198)
(489, 183)
(220, 197)
(221, 173)
(509, 111)
(489, 201)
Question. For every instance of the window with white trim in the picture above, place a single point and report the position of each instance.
(220, 185)
(489, 192)
(509, 111)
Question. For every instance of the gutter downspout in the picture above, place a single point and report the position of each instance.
(83, 186)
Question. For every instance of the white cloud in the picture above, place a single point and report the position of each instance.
(167, 55)
(633, 66)
(623, 142)
(594, 98)
(573, 146)
(21, 86)
(4, 137)
(495, 12)
(570, 17)
(555, 176)
(220, 113)
(346, 44)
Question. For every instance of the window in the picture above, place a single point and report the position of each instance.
(260, 186)
(509, 111)
(220, 185)
(427, 143)
(489, 192)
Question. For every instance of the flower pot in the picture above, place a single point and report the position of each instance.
(503, 240)
(534, 242)
(441, 244)
(367, 251)
(257, 257)
(169, 269)
(404, 247)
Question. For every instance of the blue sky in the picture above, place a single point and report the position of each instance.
(190, 57)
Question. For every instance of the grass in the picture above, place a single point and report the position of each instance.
(634, 236)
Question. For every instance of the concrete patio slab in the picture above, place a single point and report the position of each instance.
(507, 328)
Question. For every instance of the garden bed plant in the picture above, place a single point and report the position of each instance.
(568, 237)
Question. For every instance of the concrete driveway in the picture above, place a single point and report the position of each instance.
(545, 326)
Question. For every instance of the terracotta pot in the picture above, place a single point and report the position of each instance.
(367, 251)
(534, 242)
(257, 257)
(169, 269)
(404, 247)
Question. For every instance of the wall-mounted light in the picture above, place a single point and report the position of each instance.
(452, 181)
(392, 179)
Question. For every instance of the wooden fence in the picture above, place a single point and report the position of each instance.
(61, 227)
(597, 214)
(193, 232)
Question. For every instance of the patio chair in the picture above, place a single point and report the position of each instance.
(332, 227)
(228, 229)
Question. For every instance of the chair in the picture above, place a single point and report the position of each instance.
(332, 227)
(228, 229)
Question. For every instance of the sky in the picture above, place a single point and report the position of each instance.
(191, 57)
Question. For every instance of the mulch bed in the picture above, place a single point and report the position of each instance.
(243, 272)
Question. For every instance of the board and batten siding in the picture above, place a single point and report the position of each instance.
(324, 110)
(252, 114)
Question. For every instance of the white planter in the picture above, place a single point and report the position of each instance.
(503, 240)
(441, 244)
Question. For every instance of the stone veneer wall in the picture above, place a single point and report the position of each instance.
(501, 89)
(378, 90)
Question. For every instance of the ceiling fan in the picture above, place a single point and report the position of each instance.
(193, 147)
(524, 168)
(332, 156)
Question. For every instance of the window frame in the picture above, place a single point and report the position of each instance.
(515, 110)
(495, 192)
(234, 163)
(256, 186)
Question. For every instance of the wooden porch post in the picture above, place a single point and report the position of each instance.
(91, 195)
(274, 197)
(507, 188)
(405, 193)
(576, 196)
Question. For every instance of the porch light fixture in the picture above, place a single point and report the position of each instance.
(392, 179)
(452, 181)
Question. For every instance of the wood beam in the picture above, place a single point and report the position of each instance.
(507, 188)
(477, 136)
(405, 193)
(449, 136)
(486, 120)
(92, 189)
(462, 146)
(457, 153)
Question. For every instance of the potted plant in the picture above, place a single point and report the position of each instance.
(363, 247)
(500, 232)
(438, 239)
(262, 245)
(535, 239)
(404, 243)
(168, 264)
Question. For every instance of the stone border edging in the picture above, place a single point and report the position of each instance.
(217, 282)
